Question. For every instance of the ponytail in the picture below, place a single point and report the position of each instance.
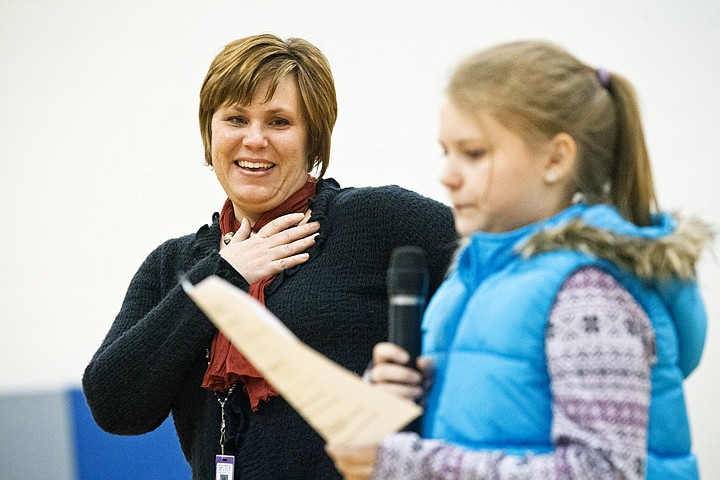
(538, 90)
(633, 191)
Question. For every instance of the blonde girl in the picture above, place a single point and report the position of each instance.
(559, 343)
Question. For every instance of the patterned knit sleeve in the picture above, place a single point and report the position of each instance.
(599, 346)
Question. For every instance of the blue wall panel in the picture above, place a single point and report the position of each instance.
(102, 456)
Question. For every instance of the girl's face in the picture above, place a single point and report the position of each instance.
(495, 180)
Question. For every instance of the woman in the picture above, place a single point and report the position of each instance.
(561, 339)
(314, 253)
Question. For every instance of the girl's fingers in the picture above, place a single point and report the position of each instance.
(386, 352)
(426, 366)
(399, 390)
(394, 373)
(354, 463)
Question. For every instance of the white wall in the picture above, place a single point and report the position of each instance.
(102, 159)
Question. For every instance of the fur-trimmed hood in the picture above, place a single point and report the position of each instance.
(655, 256)
(663, 255)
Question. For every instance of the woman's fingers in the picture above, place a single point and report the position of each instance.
(277, 266)
(287, 240)
(288, 227)
(285, 230)
(279, 224)
(279, 245)
(243, 232)
(306, 218)
(288, 255)
(296, 246)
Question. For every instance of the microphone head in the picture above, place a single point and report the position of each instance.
(408, 272)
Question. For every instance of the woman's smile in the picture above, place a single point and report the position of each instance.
(254, 166)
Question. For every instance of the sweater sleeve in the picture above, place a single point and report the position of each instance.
(412, 219)
(600, 347)
(156, 338)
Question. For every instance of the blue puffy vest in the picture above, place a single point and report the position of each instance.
(485, 329)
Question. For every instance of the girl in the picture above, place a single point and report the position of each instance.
(561, 339)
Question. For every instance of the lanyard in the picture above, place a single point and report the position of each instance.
(222, 402)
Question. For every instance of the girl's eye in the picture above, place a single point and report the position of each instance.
(475, 154)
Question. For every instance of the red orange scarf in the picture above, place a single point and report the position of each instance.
(227, 365)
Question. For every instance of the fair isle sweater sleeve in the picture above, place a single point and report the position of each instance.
(600, 347)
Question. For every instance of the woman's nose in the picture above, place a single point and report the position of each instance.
(255, 137)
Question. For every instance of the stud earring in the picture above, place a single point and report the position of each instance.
(551, 177)
(578, 197)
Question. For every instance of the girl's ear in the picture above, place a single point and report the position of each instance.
(561, 159)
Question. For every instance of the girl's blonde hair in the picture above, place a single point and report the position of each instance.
(538, 90)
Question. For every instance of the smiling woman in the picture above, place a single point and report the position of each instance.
(314, 253)
(259, 151)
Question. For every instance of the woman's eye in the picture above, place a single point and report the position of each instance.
(279, 122)
(237, 120)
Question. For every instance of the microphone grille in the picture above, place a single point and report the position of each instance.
(408, 271)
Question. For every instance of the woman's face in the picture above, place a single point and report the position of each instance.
(259, 151)
(495, 181)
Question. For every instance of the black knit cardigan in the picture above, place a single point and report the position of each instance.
(153, 358)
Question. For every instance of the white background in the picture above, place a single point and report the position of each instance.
(101, 158)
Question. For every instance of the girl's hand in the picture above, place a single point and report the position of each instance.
(354, 463)
(278, 245)
(391, 373)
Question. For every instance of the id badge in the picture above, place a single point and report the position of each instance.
(224, 467)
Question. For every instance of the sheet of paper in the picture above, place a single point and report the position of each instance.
(336, 402)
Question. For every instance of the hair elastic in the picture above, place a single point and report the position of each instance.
(603, 77)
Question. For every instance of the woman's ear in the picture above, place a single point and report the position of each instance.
(561, 159)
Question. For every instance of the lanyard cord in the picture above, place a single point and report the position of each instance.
(222, 402)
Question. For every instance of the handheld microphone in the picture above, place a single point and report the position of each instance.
(407, 284)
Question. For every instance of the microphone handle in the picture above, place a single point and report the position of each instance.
(404, 319)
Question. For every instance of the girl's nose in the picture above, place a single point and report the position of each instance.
(449, 176)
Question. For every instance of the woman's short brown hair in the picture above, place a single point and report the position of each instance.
(237, 70)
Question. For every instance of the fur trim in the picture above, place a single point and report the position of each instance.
(675, 255)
